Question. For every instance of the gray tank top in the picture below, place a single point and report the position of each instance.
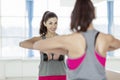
(51, 67)
(90, 68)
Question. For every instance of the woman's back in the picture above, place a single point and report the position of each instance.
(90, 64)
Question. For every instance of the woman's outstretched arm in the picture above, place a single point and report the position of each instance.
(52, 44)
(36, 43)
(29, 42)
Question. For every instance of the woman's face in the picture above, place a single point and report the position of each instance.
(51, 24)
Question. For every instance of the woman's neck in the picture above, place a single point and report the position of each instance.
(49, 35)
(90, 27)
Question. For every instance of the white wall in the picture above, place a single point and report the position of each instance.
(0, 31)
(113, 64)
(16, 68)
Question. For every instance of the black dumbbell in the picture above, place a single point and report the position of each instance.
(61, 58)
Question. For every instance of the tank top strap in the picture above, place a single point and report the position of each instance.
(90, 37)
(96, 37)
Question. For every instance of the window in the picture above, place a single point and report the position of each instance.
(14, 22)
(116, 26)
(101, 17)
(15, 28)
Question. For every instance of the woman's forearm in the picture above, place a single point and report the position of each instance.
(29, 42)
(27, 45)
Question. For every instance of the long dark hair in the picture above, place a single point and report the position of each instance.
(46, 16)
(82, 15)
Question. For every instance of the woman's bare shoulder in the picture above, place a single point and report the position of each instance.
(67, 36)
(106, 36)
(35, 38)
(105, 39)
(62, 38)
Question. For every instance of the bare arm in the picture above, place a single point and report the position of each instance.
(51, 45)
(29, 42)
(114, 43)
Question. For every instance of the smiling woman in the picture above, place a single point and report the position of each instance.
(52, 65)
(16, 17)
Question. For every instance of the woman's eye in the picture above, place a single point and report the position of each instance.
(50, 23)
(56, 23)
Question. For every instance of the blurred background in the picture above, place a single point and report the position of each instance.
(20, 20)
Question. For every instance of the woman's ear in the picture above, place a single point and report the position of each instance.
(44, 23)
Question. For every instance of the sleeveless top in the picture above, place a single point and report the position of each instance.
(91, 65)
(51, 67)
